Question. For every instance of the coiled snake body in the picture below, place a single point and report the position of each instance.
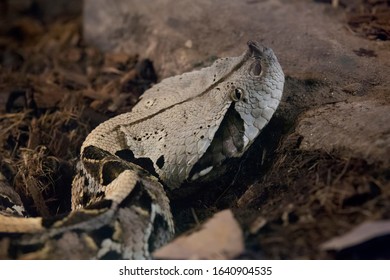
(182, 130)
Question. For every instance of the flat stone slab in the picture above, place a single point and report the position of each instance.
(178, 36)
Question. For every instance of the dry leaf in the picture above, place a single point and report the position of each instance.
(219, 238)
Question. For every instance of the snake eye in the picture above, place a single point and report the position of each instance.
(237, 94)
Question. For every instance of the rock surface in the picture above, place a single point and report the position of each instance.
(358, 129)
(179, 36)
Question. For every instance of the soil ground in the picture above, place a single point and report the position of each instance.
(54, 88)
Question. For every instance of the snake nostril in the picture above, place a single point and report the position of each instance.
(256, 68)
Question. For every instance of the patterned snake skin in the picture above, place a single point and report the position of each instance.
(182, 130)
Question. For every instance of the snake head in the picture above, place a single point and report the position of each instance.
(252, 88)
(257, 94)
(185, 127)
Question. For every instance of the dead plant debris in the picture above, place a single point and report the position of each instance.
(54, 89)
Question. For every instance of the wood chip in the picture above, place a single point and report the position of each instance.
(219, 238)
(358, 235)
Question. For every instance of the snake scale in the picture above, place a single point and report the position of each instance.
(182, 130)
